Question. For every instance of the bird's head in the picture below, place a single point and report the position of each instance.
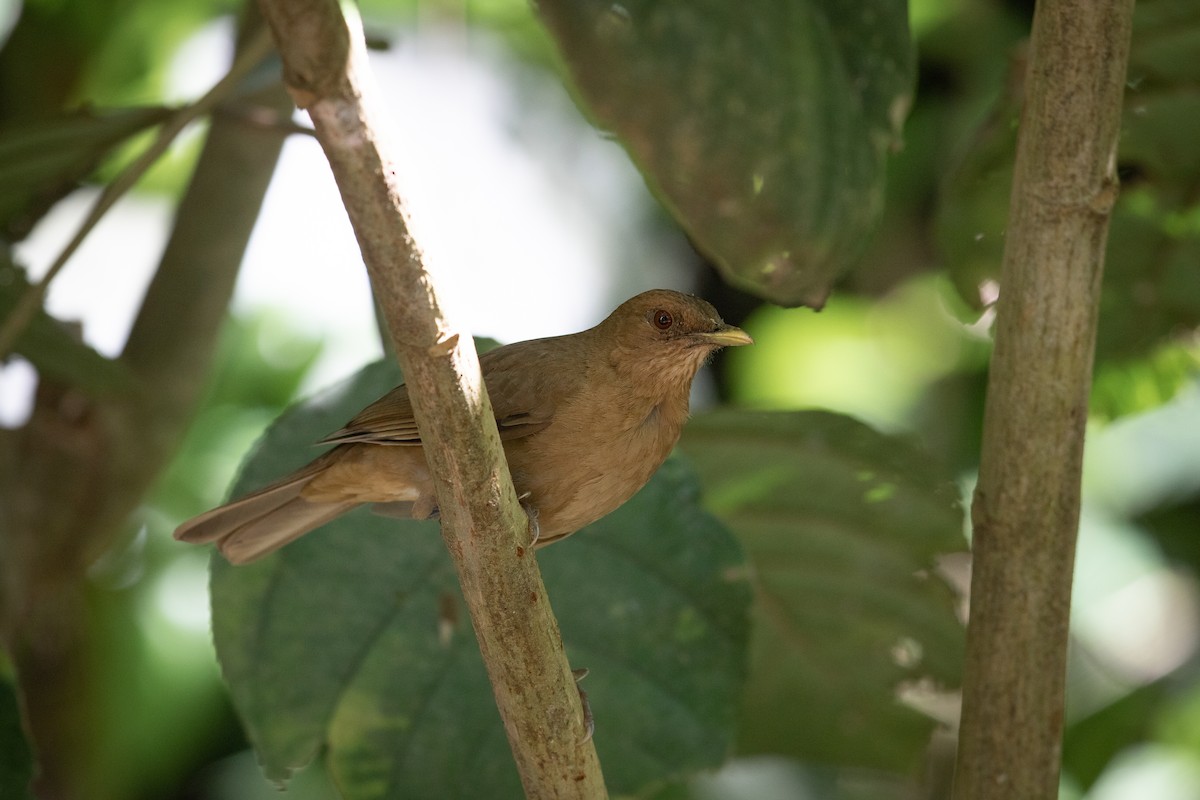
(669, 335)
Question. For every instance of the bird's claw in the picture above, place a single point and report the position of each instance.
(589, 722)
(535, 530)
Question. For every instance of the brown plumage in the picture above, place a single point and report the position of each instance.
(586, 419)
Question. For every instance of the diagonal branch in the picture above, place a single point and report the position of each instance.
(1026, 509)
(485, 530)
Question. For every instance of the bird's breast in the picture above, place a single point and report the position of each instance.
(585, 465)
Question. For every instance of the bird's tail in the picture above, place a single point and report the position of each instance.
(264, 521)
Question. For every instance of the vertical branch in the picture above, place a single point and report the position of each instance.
(1026, 509)
(485, 531)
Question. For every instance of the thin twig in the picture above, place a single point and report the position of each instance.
(31, 300)
(262, 119)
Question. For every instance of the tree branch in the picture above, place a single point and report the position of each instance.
(173, 338)
(1026, 509)
(484, 528)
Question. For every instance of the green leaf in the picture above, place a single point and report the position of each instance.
(52, 348)
(842, 526)
(1151, 287)
(1137, 386)
(355, 639)
(762, 127)
(43, 161)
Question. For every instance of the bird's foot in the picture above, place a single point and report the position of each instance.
(535, 530)
(589, 722)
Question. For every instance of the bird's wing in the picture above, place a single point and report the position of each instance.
(519, 385)
(389, 420)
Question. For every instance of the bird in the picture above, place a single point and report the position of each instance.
(585, 420)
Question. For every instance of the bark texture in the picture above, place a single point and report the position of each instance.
(1026, 507)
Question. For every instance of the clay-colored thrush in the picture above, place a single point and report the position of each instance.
(586, 419)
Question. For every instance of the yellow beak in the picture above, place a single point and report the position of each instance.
(729, 336)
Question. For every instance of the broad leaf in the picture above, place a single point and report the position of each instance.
(41, 162)
(763, 127)
(842, 526)
(355, 639)
(52, 348)
(1151, 286)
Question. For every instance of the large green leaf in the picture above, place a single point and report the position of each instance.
(52, 348)
(1151, 285)
(42, 161)
(762, 126)
(354, 638)
(842, 525)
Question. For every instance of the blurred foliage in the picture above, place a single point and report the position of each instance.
(106, 53)
(766, 777)
(1151, 285)
(513, 21)
(1174, 528)
(1140, 385)
(51, 346)
(259, 368)
(43, 161)
(1091, 743)
(901, 343)
(15, 759)
(163, 694)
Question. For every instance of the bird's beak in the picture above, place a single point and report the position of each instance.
(727, 336)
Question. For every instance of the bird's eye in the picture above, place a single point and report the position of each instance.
(663, 319)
